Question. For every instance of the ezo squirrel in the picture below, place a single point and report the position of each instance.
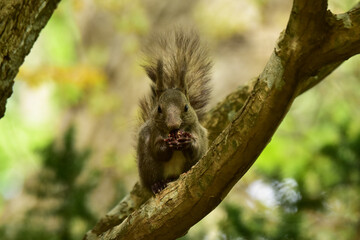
(171, 139)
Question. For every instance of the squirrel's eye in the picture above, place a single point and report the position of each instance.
(186, 108)
(159, 109)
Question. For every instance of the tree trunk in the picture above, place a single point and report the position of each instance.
(20, 24)
(314, 43)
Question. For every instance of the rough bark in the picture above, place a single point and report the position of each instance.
(314, 43)
(20, 24)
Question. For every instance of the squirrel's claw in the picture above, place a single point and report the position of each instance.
(158, 187)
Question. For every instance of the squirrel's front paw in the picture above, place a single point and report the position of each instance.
(158, 186)
(178, 140)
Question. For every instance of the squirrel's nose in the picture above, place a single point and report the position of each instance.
(173, 123)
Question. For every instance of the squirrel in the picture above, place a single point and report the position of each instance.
(171, 139)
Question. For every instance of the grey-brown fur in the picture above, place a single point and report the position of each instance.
(179, 69)
(180, 52)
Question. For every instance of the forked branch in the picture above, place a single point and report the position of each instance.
(314, 43)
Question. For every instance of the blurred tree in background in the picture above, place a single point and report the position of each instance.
(77, 94)
(60, 210)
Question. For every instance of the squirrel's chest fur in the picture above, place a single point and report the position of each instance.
(175, 166)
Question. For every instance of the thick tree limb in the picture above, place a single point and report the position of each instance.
(20, 24)
(314, 43)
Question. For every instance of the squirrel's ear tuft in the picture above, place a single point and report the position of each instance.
(159, 78)
(150, 71)
(182, 78)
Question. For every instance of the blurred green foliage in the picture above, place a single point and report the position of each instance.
(310, 214)
(61, 211)
(311, 167)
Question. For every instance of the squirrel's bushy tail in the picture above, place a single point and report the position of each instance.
(180, 53)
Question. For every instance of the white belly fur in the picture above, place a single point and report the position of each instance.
(175, 166)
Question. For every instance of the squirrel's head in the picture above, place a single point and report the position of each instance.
(174, 111)
(177, 60)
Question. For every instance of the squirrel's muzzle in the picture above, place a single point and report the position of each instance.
(173, 120)
(173, 124)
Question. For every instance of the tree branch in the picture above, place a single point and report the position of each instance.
(314, 43)
(20, 24)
